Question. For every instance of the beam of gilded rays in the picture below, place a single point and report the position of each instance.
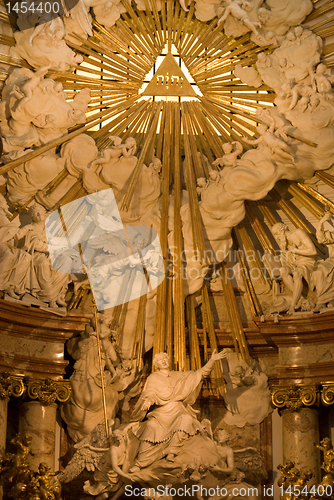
(308, 201)
(120, 122)
(237, 330)
(113, 60)
(249, 115)
(129, 34)
(315, 194)
(201, 141)
(271, 217)
(143, 127)
(209, 132)
(160, 318)
(259, 229)
(142, 27)
(319, 11)
(221, 52)
(132, 51)
(185, 28)
(176, 254)
(105, 71)
(13, 61)
(192, 40)
(153, 25)
(91, 81)
(252, 256)
(190, 158)
(98, 118)
(137, 171)
(194, 352)
(209, 34)
(177, 32)
(107, 64)
(223, 122)
(236, 117)
(207, 314)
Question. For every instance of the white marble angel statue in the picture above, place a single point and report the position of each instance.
(231, 152)
(236, 8)
(270, 139)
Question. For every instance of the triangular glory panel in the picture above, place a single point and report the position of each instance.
(169, 80)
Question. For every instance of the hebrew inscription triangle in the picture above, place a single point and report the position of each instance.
(169, 80)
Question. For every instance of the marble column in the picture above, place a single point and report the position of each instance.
(38, 417)
(3, 425)
(40, 423)
(300, 434)
(9, 386)
(298, 408)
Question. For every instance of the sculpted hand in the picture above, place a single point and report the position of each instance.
(218, 355)
(327, 217)
(146, 404)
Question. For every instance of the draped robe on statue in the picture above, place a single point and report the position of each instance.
(172, 427)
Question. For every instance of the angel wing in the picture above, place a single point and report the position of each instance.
(79, 13)
(110, 243)
(249, 461)
(83, 458)
(116, 140)
(111, 223)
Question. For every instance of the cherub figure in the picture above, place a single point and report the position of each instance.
(232, 150)
(290, 40)
(237, 10)
(29, 86)
(155, 167)
(263, 61)
(202, 184)
(284, 65)
(112, 466)
(326, 447)
(126, 150)
(226, 453)
(271, 139)
(299, 90)
(321, 82)
(214, 177)
(48, 489)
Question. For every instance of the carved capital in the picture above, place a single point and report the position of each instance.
(11, 385)
(327, 393)
(48, 391)
(294, 397)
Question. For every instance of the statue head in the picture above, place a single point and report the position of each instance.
(326, 443)
(213, 174)
(221, 435)
(161, 360)
(227, 147)
(279, 228)
(299, 31)
(262, 128)
(291, 36)
(201, 182)
(130, 142)
(43, 468)
(37, 212)
(321, 69)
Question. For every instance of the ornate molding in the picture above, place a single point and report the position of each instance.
(327, 393)
(48, 391)
(294, 397)
(11, 385)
